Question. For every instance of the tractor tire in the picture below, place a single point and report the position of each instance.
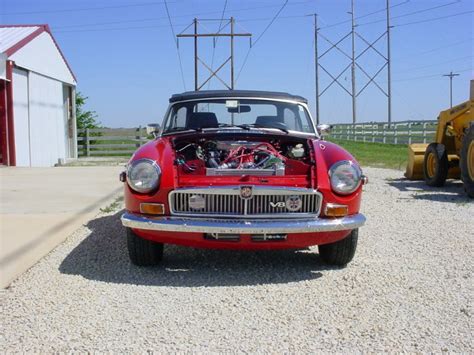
(467, 161)
(341, 252)
(435, 165)
(143, 252)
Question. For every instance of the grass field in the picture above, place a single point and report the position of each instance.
(376, 154)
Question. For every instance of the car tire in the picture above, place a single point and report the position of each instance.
(467, 161)
(143, 252)
(435, 165)
(341, 252)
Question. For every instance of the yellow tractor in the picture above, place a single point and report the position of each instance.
(451, 155)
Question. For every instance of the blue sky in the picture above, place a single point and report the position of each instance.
(124, 55)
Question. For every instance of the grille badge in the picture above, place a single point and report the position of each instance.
(293, 203)
(197, 202)
(246, 192)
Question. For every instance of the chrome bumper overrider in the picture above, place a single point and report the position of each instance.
(207, 225)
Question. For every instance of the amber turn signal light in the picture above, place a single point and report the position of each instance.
(334, 210)
(152, 208)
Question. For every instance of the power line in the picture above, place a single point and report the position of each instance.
(234, 10)
(435, 64)
(148, 26)
(271, 22)
(452, 44)
(113, 22)
(412, 13)
(86, 8)
(259, 37)
(447, 46)
(181, 16)
(177, 47)
(431, 76)
(269, 18)
(435, 18)
(326, 26)
(366, 15)
(115, 29)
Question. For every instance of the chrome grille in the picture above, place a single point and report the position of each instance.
(226, 202)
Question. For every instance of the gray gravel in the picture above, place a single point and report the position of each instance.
(409, 288)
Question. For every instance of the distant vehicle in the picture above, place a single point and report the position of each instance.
(451, 155)
(241, 170)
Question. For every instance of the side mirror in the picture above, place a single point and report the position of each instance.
(324, 129)
(153, 128)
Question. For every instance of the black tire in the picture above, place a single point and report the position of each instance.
(436, 175)
(143, 252)
(341, 252)
(466, 163)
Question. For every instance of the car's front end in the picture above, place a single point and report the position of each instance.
(240, 171)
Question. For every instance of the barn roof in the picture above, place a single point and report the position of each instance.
(15, 37)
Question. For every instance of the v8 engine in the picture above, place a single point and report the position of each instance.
(238, 157)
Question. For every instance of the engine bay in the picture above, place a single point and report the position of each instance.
(237, 156)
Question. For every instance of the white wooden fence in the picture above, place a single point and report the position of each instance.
(406, 132)
(110, 141)
(124, 141)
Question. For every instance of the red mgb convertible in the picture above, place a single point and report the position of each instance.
(241, 170)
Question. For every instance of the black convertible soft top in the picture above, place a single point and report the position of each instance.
(204, 94)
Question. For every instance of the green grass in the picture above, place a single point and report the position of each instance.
(376, 154)
(114, 206)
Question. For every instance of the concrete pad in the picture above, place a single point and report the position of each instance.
(41, 207)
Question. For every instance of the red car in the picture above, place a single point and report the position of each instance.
(241, 170)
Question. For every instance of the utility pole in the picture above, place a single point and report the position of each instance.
(389, 73)
(353, 66)
(196, 76)
(316, 66)
(232, 53)
(354, 62)
(213, 73)
(451, 76)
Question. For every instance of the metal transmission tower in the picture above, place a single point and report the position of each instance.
(335, 78)
(354, 63)
(451, 76)
(213, 73)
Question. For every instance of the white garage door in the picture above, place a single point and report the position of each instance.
(40, 122)
(20, 114)
(47, 122)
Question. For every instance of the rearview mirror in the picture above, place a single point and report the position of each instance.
(153, 128)
(324, 129)
(239, 109)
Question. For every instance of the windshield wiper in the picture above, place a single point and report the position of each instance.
(256, 125)
(178, 129)
(242, 126)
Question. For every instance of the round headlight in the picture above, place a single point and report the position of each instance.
(345, 177)
(143, 175)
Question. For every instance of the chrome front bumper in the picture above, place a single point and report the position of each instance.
(229, 226)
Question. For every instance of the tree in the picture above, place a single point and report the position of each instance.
(85, 119)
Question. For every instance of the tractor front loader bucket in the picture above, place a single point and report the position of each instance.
(416, 155)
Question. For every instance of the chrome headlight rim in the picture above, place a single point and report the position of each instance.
(357, 170)
(152, 163)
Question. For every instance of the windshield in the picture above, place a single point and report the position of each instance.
(243, 113)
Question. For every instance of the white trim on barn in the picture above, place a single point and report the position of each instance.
(3, 66)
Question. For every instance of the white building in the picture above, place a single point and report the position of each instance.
(37, 91)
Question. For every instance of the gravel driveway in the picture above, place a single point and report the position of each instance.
(409, 288)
